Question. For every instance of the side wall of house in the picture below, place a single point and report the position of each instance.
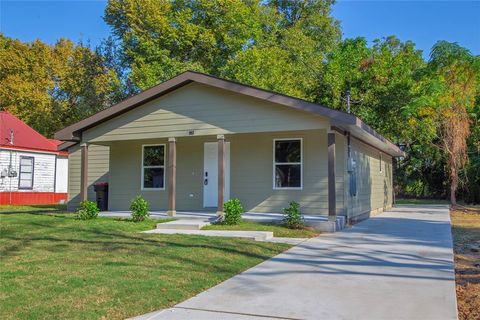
(251, 175)
(43, 171)
(374, 181)
(98, 169)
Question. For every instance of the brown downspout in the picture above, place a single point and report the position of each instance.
(84, 173)
(332, 215)
(172, 176)
(221, 173)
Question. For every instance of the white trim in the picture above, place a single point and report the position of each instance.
(164, 171)
(280, 163)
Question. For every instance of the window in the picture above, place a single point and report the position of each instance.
(153, 167)
(381, 162)
(25, 177)
(287, 164)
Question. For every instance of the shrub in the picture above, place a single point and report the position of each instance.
(233, 211)
(139, 207)
(292, 218)
(87, 210)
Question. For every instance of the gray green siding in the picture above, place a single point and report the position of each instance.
(207, 111)
(251, 173)
(374, 187)
(98, 168)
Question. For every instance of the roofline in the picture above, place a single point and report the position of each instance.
(339, 118)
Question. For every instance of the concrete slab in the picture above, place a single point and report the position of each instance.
(253, 235)
(184, 224)
(398, 265)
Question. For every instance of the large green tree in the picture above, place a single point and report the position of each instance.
(51, 86)
(276, 45)
(446, 105)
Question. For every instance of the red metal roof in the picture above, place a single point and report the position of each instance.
(24, 137)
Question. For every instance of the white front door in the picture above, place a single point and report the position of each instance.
(210, 173)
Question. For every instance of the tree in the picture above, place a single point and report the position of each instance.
(277, 45)
(50, 87)
(448, 93)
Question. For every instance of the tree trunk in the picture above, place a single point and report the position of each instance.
(453, 198)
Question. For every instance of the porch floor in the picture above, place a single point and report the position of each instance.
(316, 221)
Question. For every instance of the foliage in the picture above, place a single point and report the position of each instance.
(292, 218)
(448, 91)
(233, 212)
(52, 86)
(277, 45)
(139, 208)
(87, 210)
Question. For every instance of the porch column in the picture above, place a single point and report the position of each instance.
(331, 177)
(172, 176)
(221, 173)
(84, 172)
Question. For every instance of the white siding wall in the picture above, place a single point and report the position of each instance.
(44, 170)
(61, 184)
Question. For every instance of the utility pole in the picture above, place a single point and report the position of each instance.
(348, 101)
(347, 98)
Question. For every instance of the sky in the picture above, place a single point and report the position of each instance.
(423, 22)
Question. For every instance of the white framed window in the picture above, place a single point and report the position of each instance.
(381, 163)
(26, 172)
(153, 167)
(288, 163)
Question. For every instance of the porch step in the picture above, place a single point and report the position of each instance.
(326, 225)
(252, 235)
(183, 224)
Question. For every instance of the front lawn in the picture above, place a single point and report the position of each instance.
(55, 267)
(277, 229)
(466, 237)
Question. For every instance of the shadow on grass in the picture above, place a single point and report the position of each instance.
(95, 239)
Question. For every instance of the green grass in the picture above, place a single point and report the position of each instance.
(277, 229)
(33, 209)
(421, 201)
(53, 266)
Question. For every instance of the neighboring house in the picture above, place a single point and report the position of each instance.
(165, 142)
(32, 170)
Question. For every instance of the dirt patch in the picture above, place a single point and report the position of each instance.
(466, 235)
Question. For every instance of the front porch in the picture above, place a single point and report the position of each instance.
(247, 169)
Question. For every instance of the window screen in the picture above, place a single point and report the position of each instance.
(25, 177)
(153, 167)
(288, 163)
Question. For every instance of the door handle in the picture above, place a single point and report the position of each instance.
(205, 182)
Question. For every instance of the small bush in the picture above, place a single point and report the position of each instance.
(233, 211)
(87, 210)
(139, 207)
(293, 219)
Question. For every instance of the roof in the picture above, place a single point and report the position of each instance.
(339, 119)
(23, 136)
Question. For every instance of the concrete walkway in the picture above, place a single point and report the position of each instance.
(398, 265)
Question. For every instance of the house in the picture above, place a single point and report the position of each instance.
(32, 170)
(165, 144)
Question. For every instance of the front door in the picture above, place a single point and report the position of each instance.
(210, 173)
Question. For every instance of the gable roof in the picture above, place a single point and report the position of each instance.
(24, 136)
(339, 119)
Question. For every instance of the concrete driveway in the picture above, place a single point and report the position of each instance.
(398, 265)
